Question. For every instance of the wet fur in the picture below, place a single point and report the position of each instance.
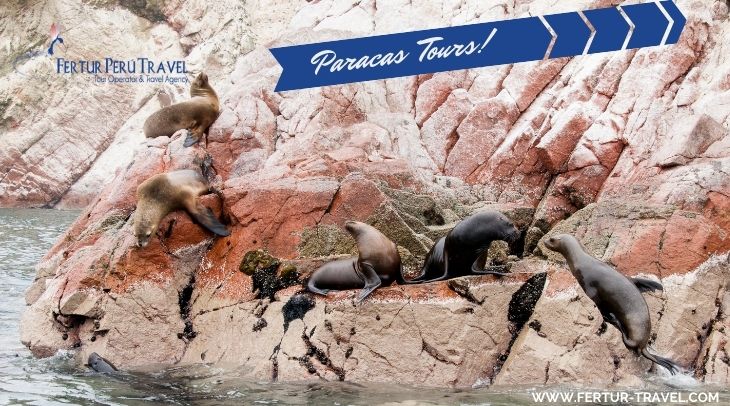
(99, 364)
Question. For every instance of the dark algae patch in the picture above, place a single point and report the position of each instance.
(524, 300)
(269, 275)
(297, 306)
(184, 297)
(519, 312)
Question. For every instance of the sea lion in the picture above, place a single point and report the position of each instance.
(617, 297)
(464, 249)
(99, 364)
(167, 192)
(195, 115)
(433, 264)
(378, 264)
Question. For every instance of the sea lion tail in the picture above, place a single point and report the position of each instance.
(665, 362)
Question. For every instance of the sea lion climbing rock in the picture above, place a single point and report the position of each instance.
(617, 297)
(378, 264)
(167, 192)
(195, 115)
(464, 249)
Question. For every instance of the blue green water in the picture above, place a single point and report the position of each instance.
(25, 235)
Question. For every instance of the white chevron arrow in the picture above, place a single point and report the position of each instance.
(631, 27)
(552, 40)
(590, 27)
(669, 18)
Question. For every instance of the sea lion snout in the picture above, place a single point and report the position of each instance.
(514, 235)
(142, 238)
(555, 242)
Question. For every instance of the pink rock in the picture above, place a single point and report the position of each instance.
(486, 125)
(556, 146)
(439, 131)
(690, 138)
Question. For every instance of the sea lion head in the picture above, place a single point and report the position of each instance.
(560, 242)
(200, 86)
(145, 224)
(354, 227)
(94, 360)
(499, 227)
(99, 364)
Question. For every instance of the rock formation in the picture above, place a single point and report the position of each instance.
(629, 151)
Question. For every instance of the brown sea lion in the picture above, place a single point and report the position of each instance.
(617, 297)
(378, 264)
(195, 115)
(167, 192)
(464, 249)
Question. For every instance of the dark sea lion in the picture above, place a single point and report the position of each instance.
(167, 192)
(99, 364)
(378, 264)
(617, 297)
(195, 115)
(464, 249)
(433, 265)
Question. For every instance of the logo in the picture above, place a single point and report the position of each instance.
(20, 64)
(109, 69)
(55, 37)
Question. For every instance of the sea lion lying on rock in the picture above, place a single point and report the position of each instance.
(195, 115)
(378, 264)
(464, 249)
(617, 297)
(167, 192)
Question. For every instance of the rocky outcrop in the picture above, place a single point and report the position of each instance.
(628, 151)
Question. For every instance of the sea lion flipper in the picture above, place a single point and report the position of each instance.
(372, 280)
(667, 363)
(647, 285)
(190, 140)
(314, 289)
(611, 319)
(479, 268)
(207, 219)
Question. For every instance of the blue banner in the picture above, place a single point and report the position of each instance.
(477, 45)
